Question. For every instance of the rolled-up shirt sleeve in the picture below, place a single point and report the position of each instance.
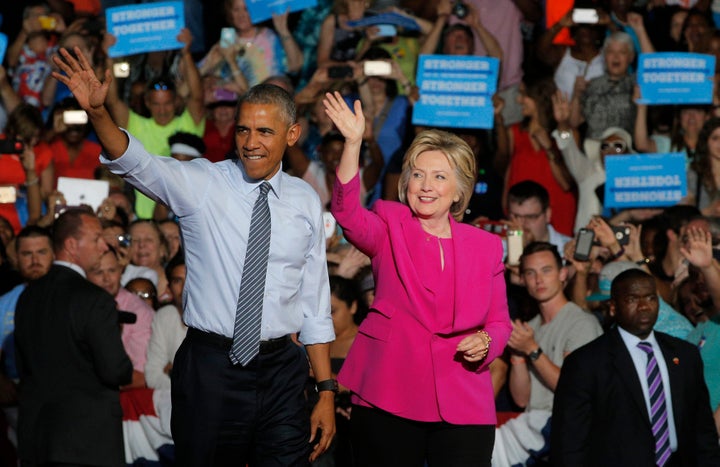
(317, 324)
(182, 185)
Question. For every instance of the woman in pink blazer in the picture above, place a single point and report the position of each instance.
(418, 368)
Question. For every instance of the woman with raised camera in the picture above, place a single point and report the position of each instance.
(418, 368)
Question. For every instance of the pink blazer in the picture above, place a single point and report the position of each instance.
(404, 360)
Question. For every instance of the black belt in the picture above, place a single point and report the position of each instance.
(225, 343)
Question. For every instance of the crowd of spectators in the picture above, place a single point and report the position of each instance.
(562, 109)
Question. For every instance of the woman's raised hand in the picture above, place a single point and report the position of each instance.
(350, 125)
(80, 78)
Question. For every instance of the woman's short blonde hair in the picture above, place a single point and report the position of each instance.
(461, 159)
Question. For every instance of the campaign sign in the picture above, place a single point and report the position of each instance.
(261, 10)
(3, 46)
(396, 19)
(675, 78)
(644, 181)
(145, 28)
(456, 91)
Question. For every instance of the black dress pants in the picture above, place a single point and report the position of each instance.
(380, 439)
(225, 414)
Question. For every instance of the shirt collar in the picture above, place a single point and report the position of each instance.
(251, 185)
(631, 340)
(72, 266)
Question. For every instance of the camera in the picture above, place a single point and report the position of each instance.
(460, 10)
(622, 234)
(11, 146)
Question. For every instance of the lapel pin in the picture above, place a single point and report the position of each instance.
(676, 361)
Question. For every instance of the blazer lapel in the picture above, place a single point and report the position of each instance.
(622, 361)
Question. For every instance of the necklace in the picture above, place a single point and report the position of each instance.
(247, 42)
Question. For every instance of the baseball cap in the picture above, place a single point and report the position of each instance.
(608, 273)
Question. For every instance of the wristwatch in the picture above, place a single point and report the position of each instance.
(535, 354)
(327, 385)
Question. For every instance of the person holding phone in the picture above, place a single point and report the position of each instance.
(425, 326)
(72, 153)
(338, 41)
(247, 54)
(581, 59)
(22, 170)
(387, 110)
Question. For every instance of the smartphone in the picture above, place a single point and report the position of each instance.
(514, 246)
(377, 68)
(126, 317)
(48, 23)
(75, 117)
(584, 244)
(121, 70)
(622, 234)
(585, 15)
(228, 36)
(340, 72)
(8, 195)
(386, 30)
(330, 224)
(11, 146)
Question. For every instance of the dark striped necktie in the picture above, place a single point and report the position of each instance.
(248, 316)
(658, 407)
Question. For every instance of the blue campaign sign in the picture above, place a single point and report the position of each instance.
(644, 181)
(261, 10)
(396, 19)
(3, 46)
(675, 78)
(456, 91)
(145, 28)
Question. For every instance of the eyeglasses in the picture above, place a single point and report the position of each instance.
(144, 295)
(617, 147)
(526, 217)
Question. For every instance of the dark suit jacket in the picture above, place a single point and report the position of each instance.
(600, 417)
(71, 363)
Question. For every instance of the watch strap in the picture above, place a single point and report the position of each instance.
(535, 354)
(327, 385)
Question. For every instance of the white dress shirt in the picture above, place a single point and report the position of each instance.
(639, 359)
(214, 204)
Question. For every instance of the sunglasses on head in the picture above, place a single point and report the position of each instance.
(613, 146)
(161, 86)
